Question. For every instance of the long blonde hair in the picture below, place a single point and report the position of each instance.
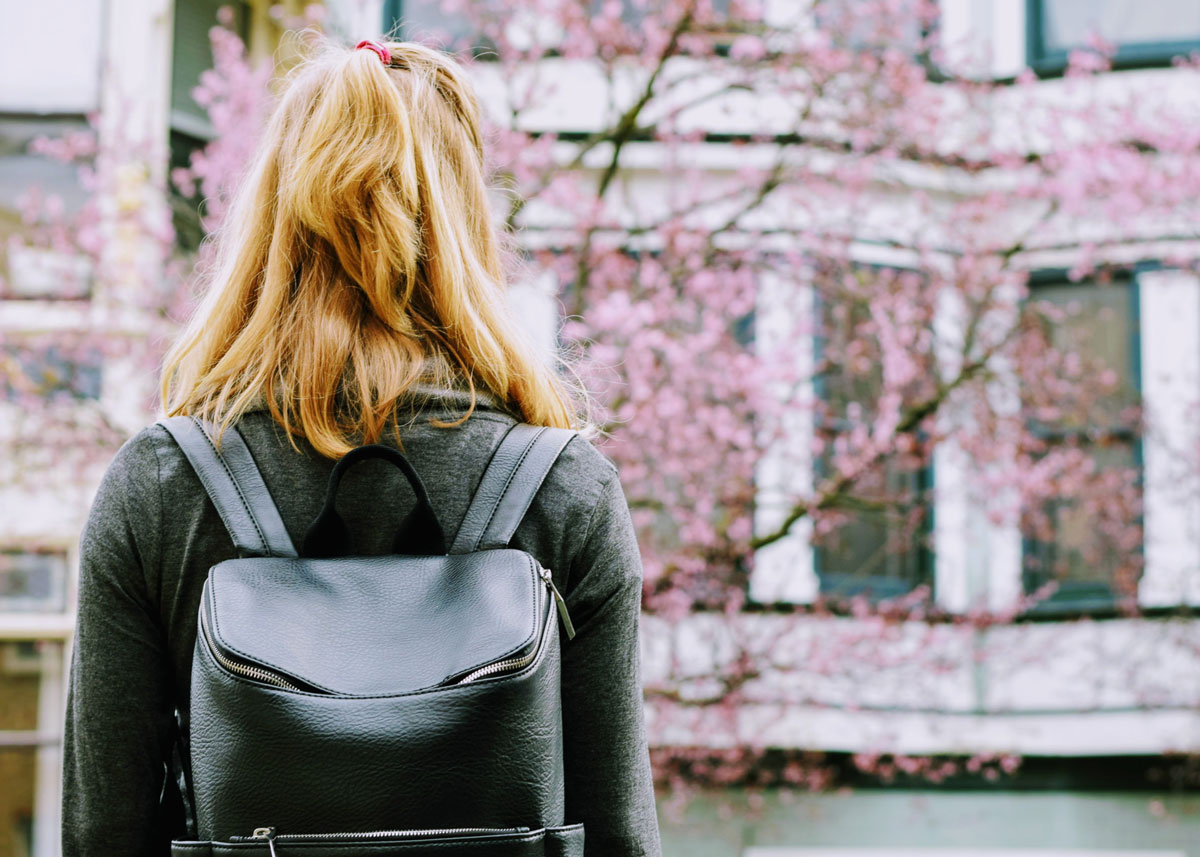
(359, 252)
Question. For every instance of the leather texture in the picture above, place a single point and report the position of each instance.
(377, 731)
(234, 485)
(547, 842)
(373, 625)
(517, 469)
(485, 754)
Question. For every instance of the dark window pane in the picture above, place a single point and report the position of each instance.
(879, 552)
(633, 11)
(48, 371)
(1064, 542)
(880, 547)
(22, 664)
(1098, 324)
(192, 55)
(425, 21)
(851, 373)
(18, 767)
(32, 582)
(1076, 551)
(187, 212)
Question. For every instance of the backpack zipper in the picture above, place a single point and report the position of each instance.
(522, 661)
(499, 667)
(559, 602)
(268, 835)
(256, 673)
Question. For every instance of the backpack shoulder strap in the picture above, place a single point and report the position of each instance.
(513, 476)
(235, 487)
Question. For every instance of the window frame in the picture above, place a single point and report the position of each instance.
(1075, 598)
(189, 133)
(57, 603)
(79, 380)
(21, 130)
(180, 116)
(1134, 55)
(841, 585)
(393, 24)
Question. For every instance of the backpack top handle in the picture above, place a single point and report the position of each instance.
(420, 532)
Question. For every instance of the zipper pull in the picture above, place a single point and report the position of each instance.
(267, 833)
(544, 573)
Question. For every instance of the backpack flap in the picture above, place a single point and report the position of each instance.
(372, 625)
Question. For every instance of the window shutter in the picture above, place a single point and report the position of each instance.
(192, 55)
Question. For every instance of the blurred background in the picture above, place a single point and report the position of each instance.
(891, 314)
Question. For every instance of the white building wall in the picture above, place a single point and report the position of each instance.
(1170, 311)
(50, 56)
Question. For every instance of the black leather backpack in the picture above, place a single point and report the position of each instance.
(387, 705)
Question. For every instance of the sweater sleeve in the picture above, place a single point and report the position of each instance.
(119, 706)
(608, 782)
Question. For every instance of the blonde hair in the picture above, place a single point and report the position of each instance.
(358, 253)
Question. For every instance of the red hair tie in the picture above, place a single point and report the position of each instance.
(384, 54)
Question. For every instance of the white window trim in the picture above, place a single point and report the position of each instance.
(976, 559)
(1169, 302)
(784, 571)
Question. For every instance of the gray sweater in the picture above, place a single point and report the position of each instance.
(152, 535)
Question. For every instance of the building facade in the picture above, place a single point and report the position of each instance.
(1092, 721)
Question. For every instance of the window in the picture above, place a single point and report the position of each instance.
(30, 735)
(881, 553)
(875, 26)
(633, 11)
(881, 546)
(425, 20)
(18, 757)
(190, 128)
(1143, 33)
(192, 55)
(32, 582)
(29, 268)
(1100, 324)
(50, 371)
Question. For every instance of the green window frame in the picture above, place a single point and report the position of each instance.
(1048, 59)
(1041, 561)
(870, 535)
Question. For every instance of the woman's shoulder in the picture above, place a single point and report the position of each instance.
(136, 462)
(581, 472)
(148, 472)
(121, 533)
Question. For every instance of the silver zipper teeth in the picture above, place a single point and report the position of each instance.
(242, 669)
(498, 667)
(260, 833)
(503, 666)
